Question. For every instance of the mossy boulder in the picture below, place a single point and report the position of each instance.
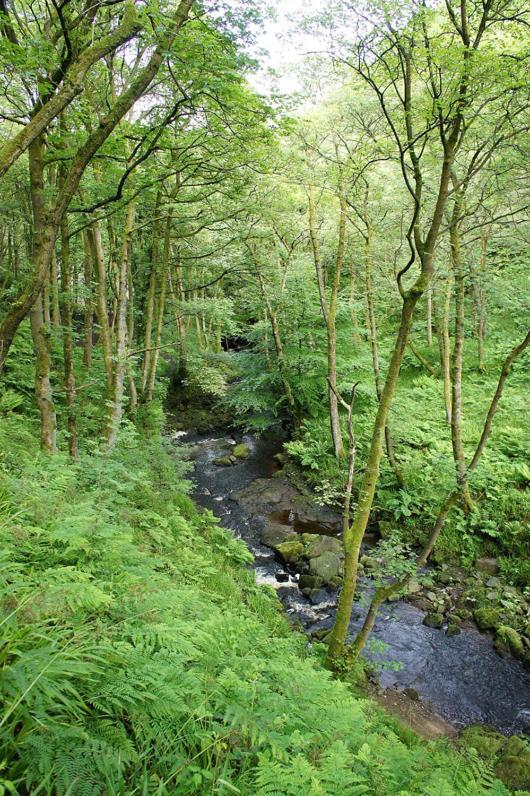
(241, 451)
(486, 618)
(513, 766)
(274, 533)
(328, 566)
(527, 630)
(223, 461)
(291, 550)
(452, 629)
(434, 619)
(486, 741)
(317, 545)
(508, 640)
(309, 582)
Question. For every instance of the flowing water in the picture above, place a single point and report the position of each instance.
(462, 677)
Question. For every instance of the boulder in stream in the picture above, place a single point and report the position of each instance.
(508, 641)
(291, 550)
(241, 451)
(274, 533)
(327, 566)
(433, 620)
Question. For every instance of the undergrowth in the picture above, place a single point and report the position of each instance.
(138, 655)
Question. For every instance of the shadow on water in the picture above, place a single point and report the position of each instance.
(461, 676)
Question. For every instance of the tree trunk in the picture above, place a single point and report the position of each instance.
(372, 332)
(88, 301)
(68, 344)
(54, 292)
(43, 390)
(102, 309)
(151, 292)
(352, 539)
(115, 408)
(457, 359)
(160, 311)
(444, 344)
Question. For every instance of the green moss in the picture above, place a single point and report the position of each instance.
(486, 741)
(509, 640)
(513, 766)
(290, 551)
(241, 451)
(486, 618)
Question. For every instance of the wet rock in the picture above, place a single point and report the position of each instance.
(274, 534)
(433, 620)
(327, 566)
(368, 562)
(317, 596)
(317, 545)
(485, 740)
(291, 550)
(486, 618)
(223, 461)
(526, 660)
(463, 613)
(241, 451)
(412, 694)
(513, 767)
(321, 634)
(493, 583)
(487, 565)
(282, 577)
(508, 640)
(309, 582)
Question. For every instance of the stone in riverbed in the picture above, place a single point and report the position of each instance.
(241, 451)
(291, 550)
(488, 565)
(316, 545)
(486, 618)
(309, 582)
(508, 640)
(435, 620)
(327, 566)
(223, 461)
(452, 629)
(274, 533)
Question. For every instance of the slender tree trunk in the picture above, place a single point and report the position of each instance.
(160, 311)
(88, 300)
(102, 309)
(115, 408)
(429, 315)
(352, 539)
(458, 357)
(68, 342)
(151, 292)
(372, 332)
(329, 313)
(54, 292)
(278, 345)
(133, 392)
(479, 304)
(43, 391)
(444, 344)
(353, 299)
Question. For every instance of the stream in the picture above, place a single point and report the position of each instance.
(461, 677)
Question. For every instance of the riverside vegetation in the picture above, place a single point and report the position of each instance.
(347, 263)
